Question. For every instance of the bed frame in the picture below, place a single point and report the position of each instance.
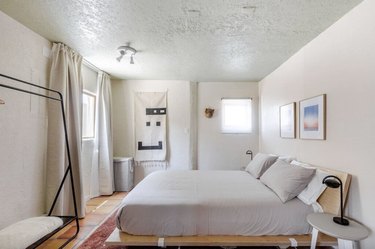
(329, 200)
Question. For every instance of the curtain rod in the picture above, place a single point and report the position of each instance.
(93, 67)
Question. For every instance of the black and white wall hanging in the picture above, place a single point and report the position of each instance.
(150, 126)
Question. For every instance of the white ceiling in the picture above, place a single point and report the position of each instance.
(197, 40)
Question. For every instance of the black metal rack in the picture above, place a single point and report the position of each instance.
(66, 219)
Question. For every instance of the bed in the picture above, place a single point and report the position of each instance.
(187, 203)
(227, 208)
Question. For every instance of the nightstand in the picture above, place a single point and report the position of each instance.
(346, 236)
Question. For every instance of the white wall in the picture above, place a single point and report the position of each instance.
(23, 123)
(341, 63)
(215, 149)
(178, 104)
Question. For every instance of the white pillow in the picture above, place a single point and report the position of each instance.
(315, 188)
(287, 159)
(298, 163)
(260, 164)
(285, 180)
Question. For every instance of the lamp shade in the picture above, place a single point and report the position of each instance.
(332, 183)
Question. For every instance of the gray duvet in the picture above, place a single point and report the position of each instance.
(183, 203)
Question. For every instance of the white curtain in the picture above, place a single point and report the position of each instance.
(102, 166)
(65, 77)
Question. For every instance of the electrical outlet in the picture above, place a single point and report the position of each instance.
(46, 52)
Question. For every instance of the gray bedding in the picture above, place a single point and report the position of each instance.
(183, 203)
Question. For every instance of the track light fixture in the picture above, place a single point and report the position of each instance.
(126, 50)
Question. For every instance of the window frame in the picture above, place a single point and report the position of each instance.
(93, 95)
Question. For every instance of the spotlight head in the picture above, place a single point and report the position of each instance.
(122, 53)
(131, 59)
(119, 58)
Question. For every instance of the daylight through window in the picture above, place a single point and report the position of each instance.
(236, 115)
(88, 115)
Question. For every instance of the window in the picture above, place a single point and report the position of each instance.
(236, 115)
(88, 114)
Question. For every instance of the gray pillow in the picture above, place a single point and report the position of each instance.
(287, 181)
(260, 164)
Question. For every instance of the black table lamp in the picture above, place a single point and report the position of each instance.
(335, 182)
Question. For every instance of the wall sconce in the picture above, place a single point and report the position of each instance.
(126, 50)
(209, 112)
(2, 102)
(334, 182)
(250, 152)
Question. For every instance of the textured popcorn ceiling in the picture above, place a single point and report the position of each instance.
(198, 40)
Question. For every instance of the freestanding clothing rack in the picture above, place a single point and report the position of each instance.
(65, 219)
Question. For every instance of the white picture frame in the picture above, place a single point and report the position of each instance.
(312, 118)
(288, 120)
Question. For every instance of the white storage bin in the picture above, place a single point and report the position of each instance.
(123, 169)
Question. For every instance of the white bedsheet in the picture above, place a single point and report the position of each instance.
(183, 203)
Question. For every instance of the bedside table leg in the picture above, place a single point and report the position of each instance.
(346, 244)
(314, 238)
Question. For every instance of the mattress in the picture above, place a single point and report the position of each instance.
(186, 203)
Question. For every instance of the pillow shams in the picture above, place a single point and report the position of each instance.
(315, 188)
(260, 164)
(285, 180)
(298, 163)
(287, 159)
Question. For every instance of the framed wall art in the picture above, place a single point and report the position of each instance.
(312, 118)
(288, 120)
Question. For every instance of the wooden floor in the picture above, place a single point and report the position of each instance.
(97, 210)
